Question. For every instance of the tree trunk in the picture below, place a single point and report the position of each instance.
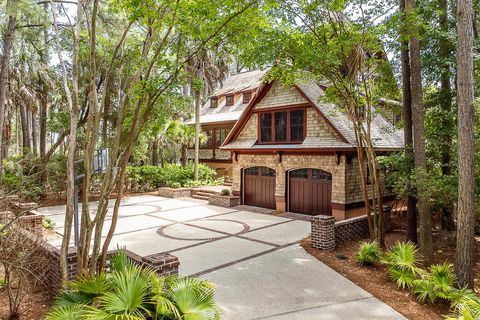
(197, 132)
(155, 152)
(34, 133)
(25, 130)
(465, 250)
(5, 68)
(407, 129)
(425, 217)
(446, 105)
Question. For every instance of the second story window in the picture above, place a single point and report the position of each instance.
(214, 102)
(247, 96)
(229, 100)
(282, 126)
(208, 143)
(221, 134)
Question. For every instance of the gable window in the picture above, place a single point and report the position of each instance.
(214, 102)
(247, 96)
(229, 100)
(282, 126)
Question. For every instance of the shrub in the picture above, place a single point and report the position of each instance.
(131, 292)
(401, 262)
(48, 223)
(368, 253)
(3, 283)
(437, 283)
(175, 185)
(225, 192)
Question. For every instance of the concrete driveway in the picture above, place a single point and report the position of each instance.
(254, 259)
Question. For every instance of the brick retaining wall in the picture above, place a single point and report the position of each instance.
(326, 232)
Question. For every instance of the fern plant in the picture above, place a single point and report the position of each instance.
(402, 262)
(368, 253)
(130, 292)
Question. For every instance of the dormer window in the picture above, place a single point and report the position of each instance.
(230, 100)
(214, 102)
(246, 97)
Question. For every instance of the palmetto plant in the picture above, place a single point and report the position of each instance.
(437, 283)
(129, 292)
(368, 253)
(468, 308)
(401, 262)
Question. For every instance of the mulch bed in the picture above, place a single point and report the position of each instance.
(375, 279)
(34, 306)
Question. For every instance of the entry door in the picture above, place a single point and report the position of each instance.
(310, 191)
(259, 187)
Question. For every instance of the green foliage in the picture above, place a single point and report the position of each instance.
(368, 253)
(225, 192)
(436, 284)
(3, 283)
(401, 262)
(150, 177)
(132, 292)
(467, 308)
(48, 223)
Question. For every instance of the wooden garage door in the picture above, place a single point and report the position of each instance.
(259, 187)
(310, 191)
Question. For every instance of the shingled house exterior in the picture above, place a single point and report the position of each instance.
(294, 153)
(220, 113)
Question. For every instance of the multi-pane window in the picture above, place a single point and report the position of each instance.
(214, 102)
(229, 100)
(282, 126)
(266, 127)
(221, 134)
(246, 97)
(296, 125)
(209, 142)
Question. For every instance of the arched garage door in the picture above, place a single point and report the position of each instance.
(310, 191)
(259, 187)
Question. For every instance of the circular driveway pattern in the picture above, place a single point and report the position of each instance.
(203, 230)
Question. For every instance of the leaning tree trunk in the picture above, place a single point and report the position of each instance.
(407, 129)
(465, 250)
(5, 68)
(425, 217)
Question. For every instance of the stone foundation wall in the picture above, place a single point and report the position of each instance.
(326, 232)
(224, 201)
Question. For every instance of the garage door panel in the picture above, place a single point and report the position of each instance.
(259, 187)
(310, 191)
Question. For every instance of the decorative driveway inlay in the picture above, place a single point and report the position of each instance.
(183, 231)
(254, 259)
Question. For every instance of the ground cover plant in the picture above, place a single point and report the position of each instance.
(128, 291)
(438, 282)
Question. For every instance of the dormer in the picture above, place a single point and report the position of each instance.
(214, 102)
(229, 100)
(247, 96)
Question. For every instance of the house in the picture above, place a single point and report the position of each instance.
(220, 113)
(293, 153)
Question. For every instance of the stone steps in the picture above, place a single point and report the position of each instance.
(202, 194)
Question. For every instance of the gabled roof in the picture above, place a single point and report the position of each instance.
(237, 83)
(384, 134)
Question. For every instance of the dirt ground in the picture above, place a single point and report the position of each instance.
(34, 307)
(375, 279)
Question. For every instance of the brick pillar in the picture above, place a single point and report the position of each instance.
(164, 264)
(323, 232)
(387, 218)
